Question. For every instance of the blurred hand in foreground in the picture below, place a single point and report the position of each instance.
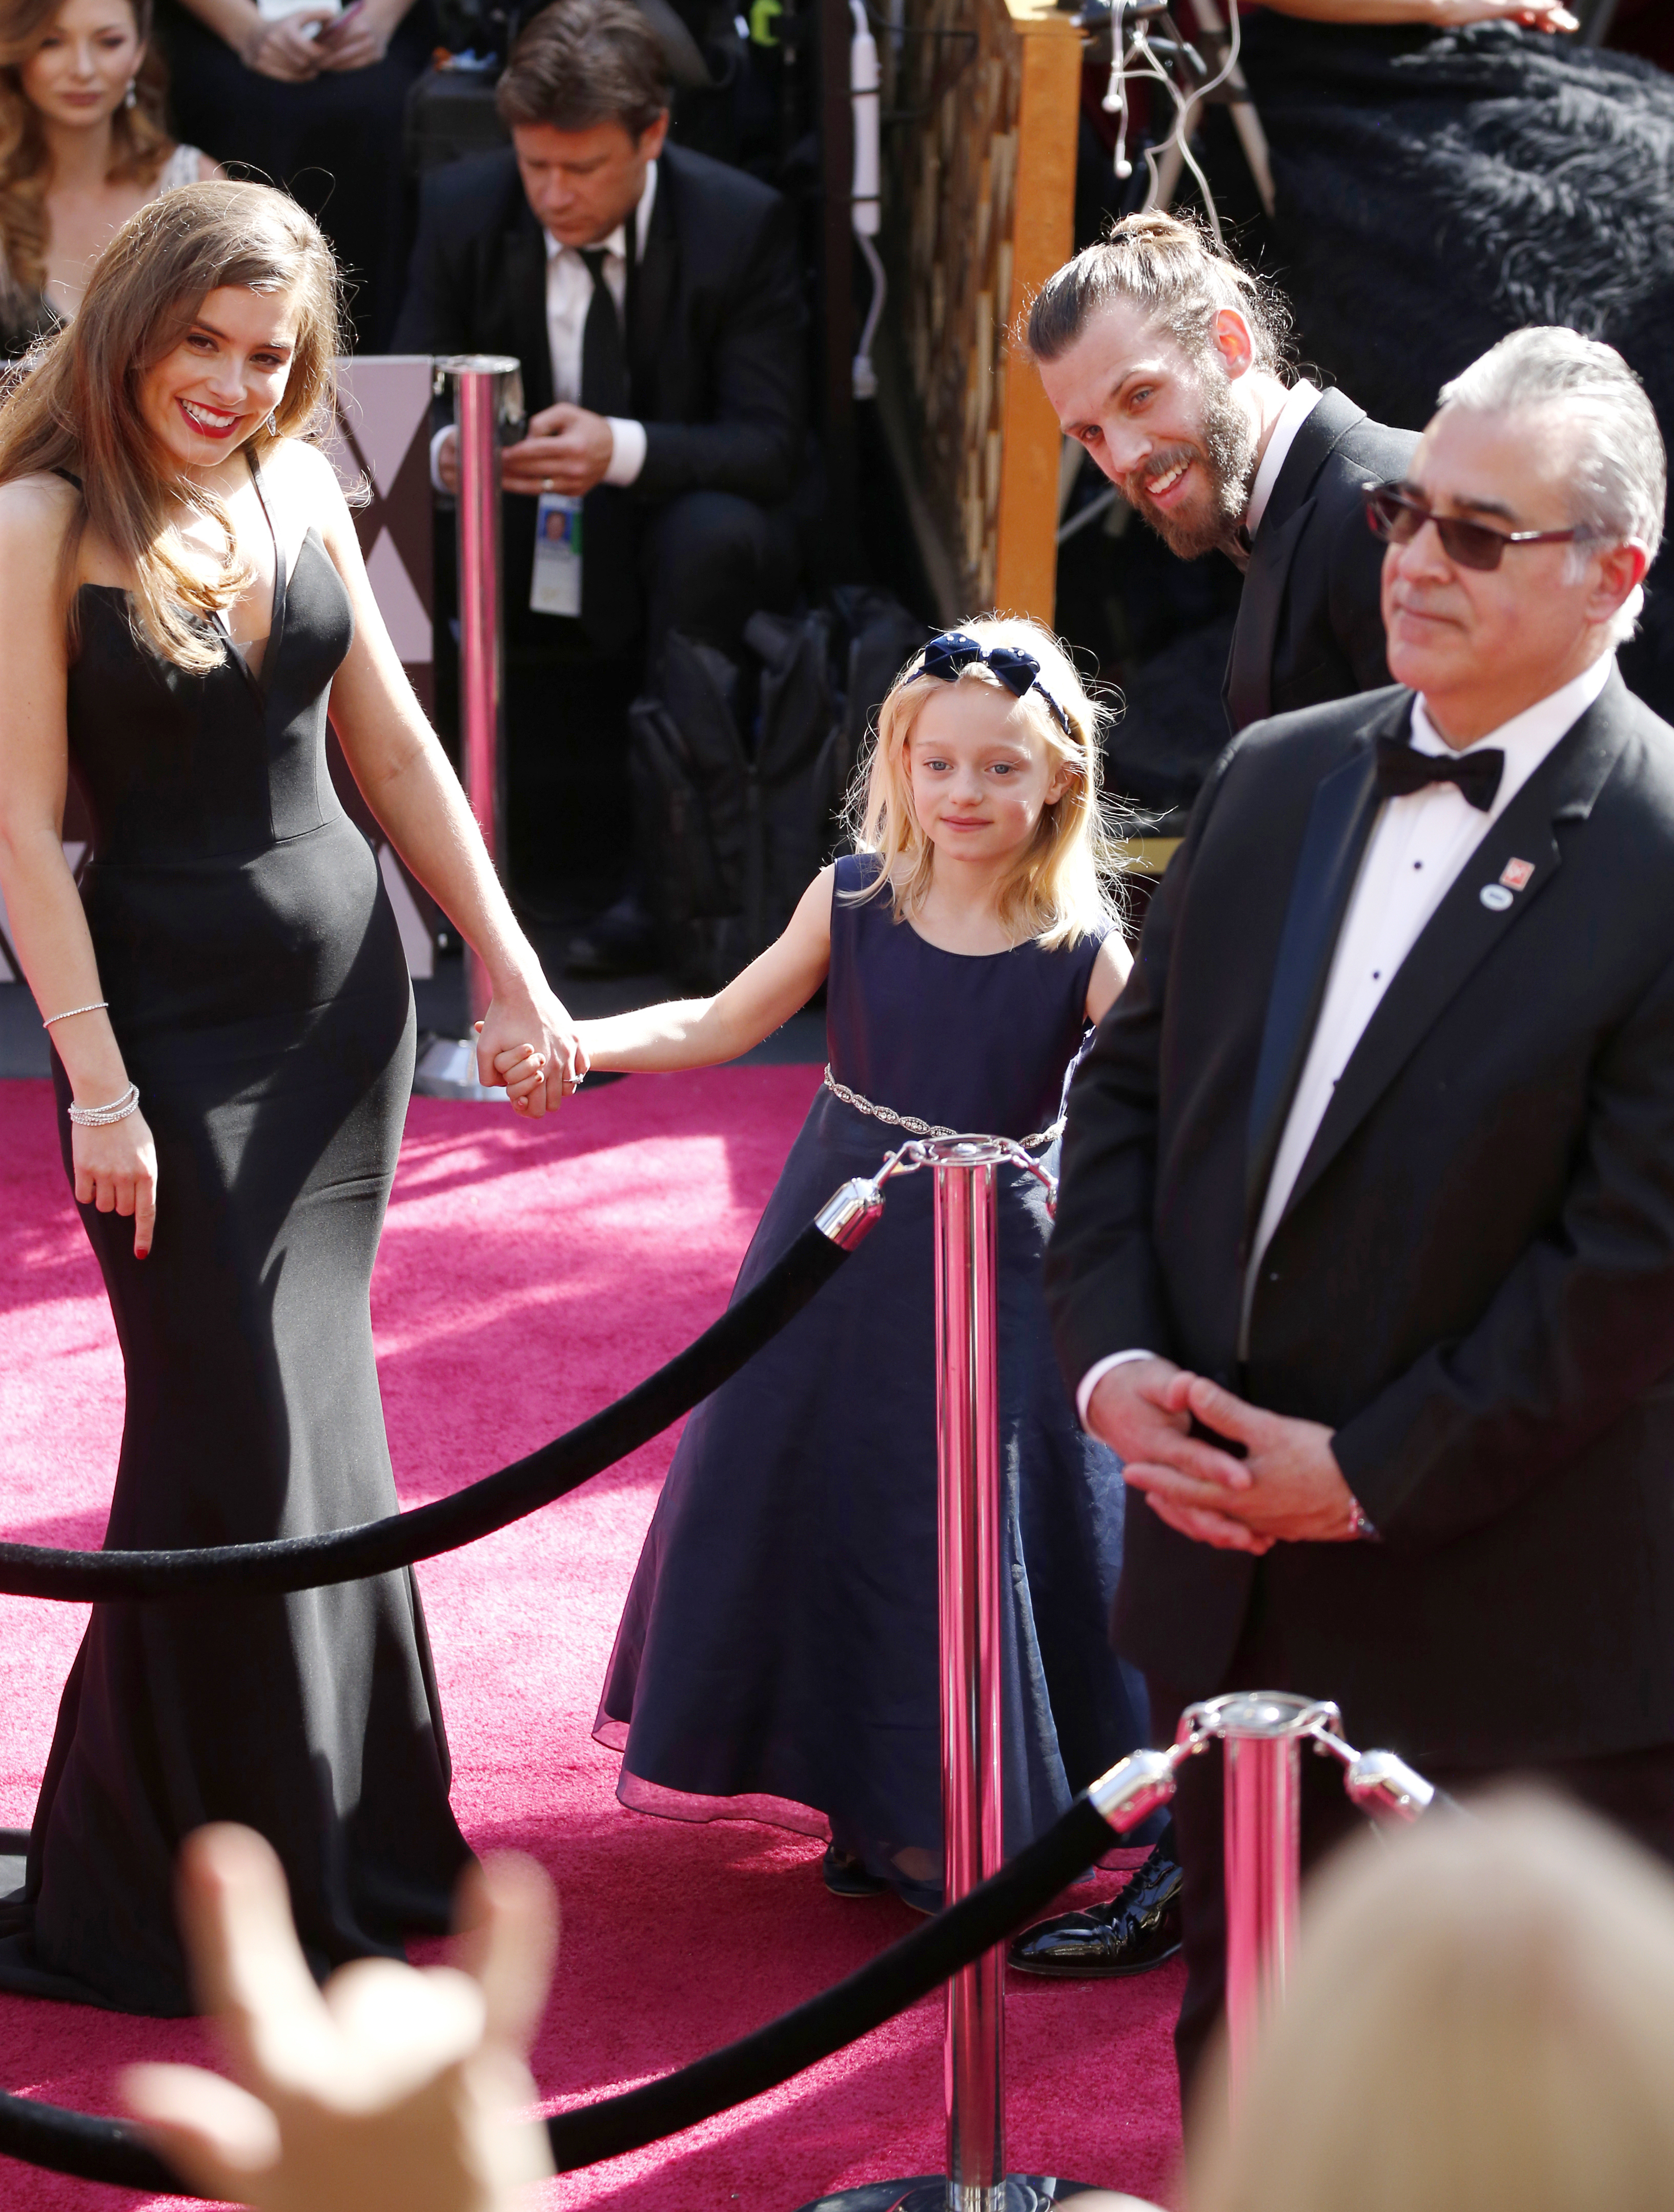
(391, 2090)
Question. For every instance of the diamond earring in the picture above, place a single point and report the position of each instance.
(129, 99)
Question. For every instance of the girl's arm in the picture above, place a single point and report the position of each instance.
(116, 1167)
(1111, 970)
(407, 782)
(699, 1032)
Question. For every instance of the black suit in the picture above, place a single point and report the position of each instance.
(1310, 627)
(1472, 1281)
(714, 349)
(714, 338)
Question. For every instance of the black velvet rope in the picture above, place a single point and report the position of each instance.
(341, 1555)
(96, 2150)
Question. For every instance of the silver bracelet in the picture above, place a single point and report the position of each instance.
(101, 1117)
(70, 1013)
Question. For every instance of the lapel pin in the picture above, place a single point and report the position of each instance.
(1495, 897)
(1516, 874)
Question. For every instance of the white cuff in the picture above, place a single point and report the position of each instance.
(627, 450)
(1096, 1374)
(437, 484)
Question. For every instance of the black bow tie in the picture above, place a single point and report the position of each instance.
(1402, 770)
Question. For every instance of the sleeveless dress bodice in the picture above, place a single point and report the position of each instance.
(178, 768)
(975, 1042)
(259, 991)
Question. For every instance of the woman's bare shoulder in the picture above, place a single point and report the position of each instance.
(35, 512)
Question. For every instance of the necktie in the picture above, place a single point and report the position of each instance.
(603, 365)
(1402, 770)
(610, 595)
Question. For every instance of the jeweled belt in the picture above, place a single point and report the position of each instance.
(914, 1128)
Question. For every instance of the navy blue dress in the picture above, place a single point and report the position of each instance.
(777, 1658)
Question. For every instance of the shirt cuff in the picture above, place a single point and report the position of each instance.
(627, 450)
(1096, 1374)
(437, 484)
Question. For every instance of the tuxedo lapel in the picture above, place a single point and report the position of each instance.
(525, 266)
(1249, 695)
(1463, 931)
(1345, 806)
(1247, 691)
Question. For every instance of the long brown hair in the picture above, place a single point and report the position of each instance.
(140, 140)
(76, 407)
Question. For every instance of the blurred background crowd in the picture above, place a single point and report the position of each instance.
(648, 203)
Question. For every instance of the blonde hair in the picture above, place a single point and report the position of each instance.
(140, 143)
(1063, 887)
(77, 408)
(1459, 2037)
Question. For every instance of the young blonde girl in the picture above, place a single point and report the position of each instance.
(777, 1658)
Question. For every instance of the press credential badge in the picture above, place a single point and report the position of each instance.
(555, 585)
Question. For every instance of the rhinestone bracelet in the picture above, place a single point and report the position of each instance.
(70, 1013)
(101, 1117)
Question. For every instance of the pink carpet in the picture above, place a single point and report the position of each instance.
(528, 1275)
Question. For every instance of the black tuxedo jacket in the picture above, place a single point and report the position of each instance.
(715, 338)
(1473, 1281)
(1310, 626)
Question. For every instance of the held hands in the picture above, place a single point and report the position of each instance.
(116, 1171)
(1288, 1488)
(391, 2091)
(528, 1043)
(567, 450)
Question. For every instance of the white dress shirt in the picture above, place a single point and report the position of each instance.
(1299, 403)
(1419, 846)
(568, 297)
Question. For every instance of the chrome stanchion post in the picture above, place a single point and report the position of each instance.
(486, 394)
(968, 1509)
(1263, 1845)
(968, 1536)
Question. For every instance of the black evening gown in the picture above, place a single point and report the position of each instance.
(259, 991)
(776, 1657)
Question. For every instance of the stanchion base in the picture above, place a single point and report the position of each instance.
(927, 2192)
(447, 1069)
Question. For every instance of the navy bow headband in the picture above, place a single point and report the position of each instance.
(950, 654)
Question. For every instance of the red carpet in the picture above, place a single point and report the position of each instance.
(528, 1276)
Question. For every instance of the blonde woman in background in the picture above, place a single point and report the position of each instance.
(1481, 2020)
(83, 145)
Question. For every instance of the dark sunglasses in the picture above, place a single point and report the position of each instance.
(949, 655)
(1396, 517)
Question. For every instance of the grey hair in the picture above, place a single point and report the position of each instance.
(1619, 489)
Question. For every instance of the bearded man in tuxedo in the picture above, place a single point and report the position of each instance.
(1165, 358)
(1364, 1259)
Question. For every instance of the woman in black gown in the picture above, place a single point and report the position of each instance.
(182, 598)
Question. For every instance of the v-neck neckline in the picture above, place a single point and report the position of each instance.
(258, 679)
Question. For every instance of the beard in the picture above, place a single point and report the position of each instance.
(1225, 452)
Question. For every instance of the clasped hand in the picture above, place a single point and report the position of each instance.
(527, 1043)
(1288, 1487)
(567, 449)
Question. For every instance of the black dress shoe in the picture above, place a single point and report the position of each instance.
(844, 1875)
(1136, 1930)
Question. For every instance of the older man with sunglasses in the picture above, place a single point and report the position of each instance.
(1365, 1252)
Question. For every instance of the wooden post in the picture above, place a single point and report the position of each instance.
(1043, 235)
